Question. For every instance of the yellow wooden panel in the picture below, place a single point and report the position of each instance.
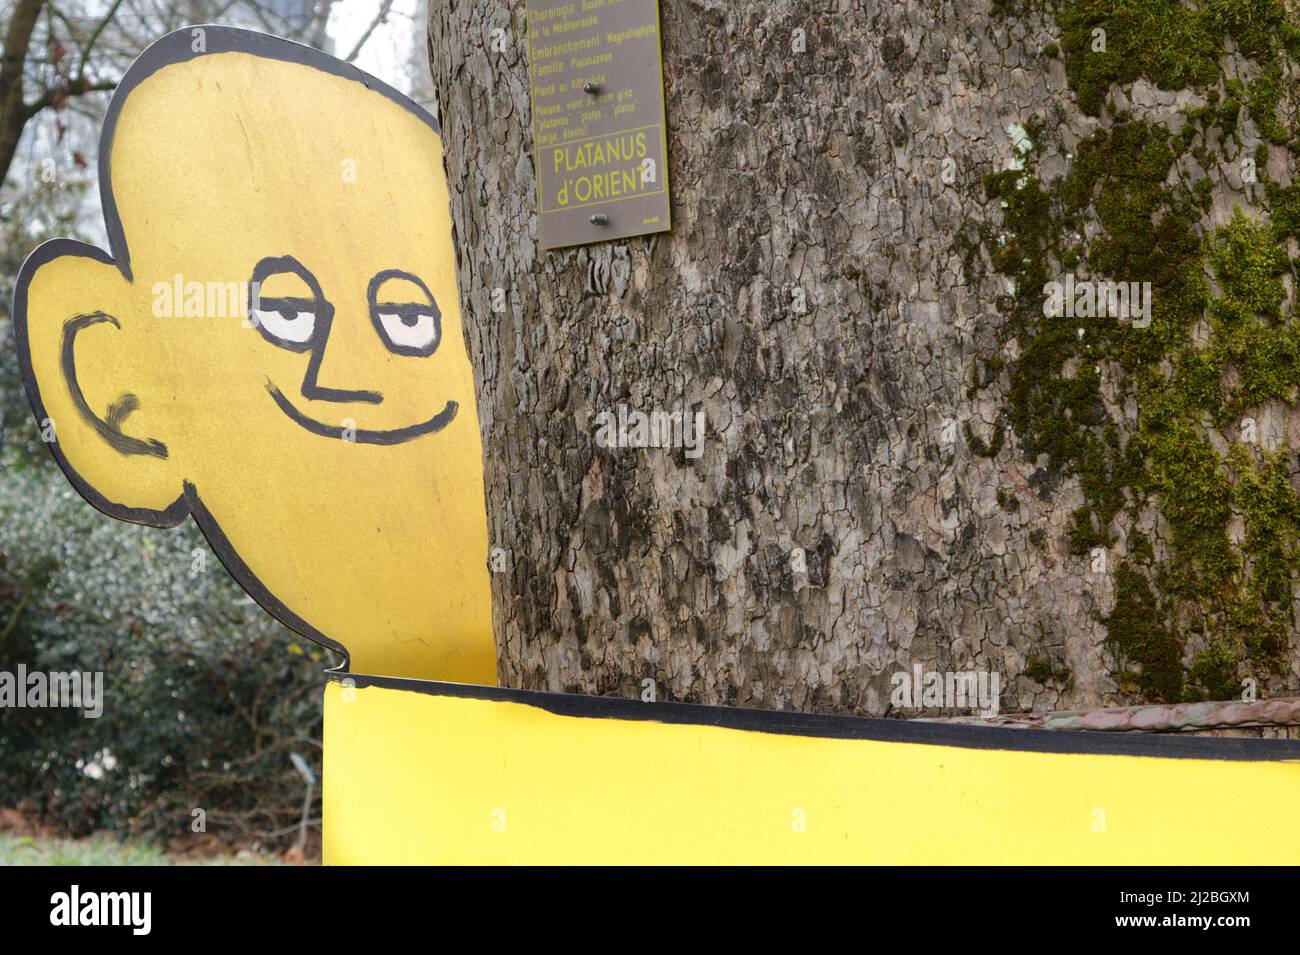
(432, 773)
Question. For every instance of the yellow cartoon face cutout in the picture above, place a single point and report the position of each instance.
(273, 345)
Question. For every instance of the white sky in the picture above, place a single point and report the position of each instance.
(387, 54)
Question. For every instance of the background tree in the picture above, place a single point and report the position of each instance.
(905, 463)
(56, 51)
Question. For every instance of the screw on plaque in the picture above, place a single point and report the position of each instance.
(592, 88)
(599, 218)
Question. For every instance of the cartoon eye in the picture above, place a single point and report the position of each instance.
(410, 327)
(404, 313)
(286, 322)
(285, 303)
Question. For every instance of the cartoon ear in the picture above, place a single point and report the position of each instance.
(82, 341)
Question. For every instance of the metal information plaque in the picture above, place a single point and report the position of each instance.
(599, 135)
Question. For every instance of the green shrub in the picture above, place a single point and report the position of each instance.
(205, 694)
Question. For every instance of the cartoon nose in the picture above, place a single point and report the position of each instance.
(312, 386)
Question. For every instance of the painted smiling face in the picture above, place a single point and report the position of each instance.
(274, 346)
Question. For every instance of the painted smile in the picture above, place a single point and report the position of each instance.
(395, 436)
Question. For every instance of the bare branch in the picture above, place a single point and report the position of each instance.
(374, 25)
(85, 50)
(49, 97)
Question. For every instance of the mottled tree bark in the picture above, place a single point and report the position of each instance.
(821, 298)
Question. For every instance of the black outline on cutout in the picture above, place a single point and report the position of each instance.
(834, 726)
(171, 49)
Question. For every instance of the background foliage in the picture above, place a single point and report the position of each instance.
(205, 694)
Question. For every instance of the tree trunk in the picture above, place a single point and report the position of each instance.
(13, 110)
(860, 505)
(812, 176)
